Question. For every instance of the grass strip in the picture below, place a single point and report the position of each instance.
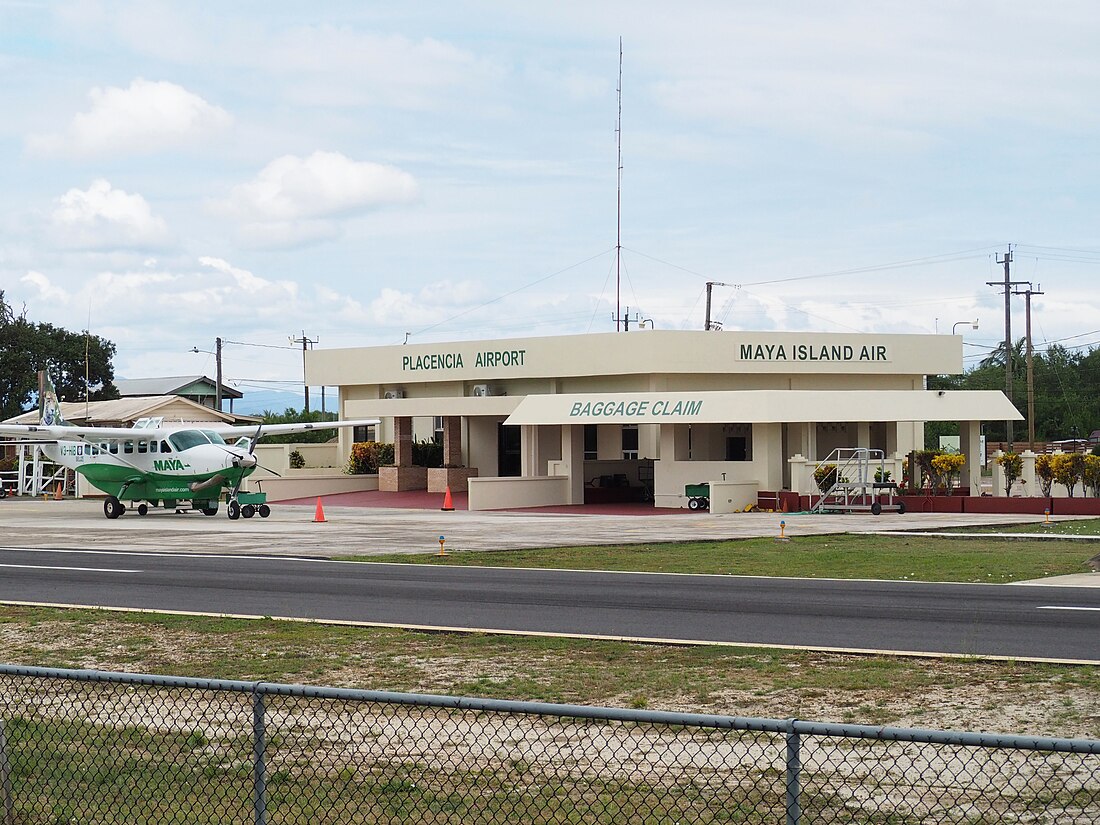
(845, 556)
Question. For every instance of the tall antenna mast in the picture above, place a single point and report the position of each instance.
(619, 193)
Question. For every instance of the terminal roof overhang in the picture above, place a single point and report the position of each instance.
(765, 406)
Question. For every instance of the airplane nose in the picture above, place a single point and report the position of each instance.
(243, 460)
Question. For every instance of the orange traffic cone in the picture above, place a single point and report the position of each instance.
(447, 504)
(57, 492)
(320, 514)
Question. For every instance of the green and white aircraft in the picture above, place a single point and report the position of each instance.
(182, 468)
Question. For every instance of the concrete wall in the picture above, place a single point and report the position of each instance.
(277, 456)
(670, 477)
(302, 486)
(732, 496)
(530, 491)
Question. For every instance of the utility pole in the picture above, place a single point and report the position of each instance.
(709, 325)
(619, 196)
(306, 342)
(218, 361)
(1027, 293)
(1008, 284)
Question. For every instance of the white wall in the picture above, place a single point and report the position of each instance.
(529, 491)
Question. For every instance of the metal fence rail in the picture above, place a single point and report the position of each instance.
(90, 746)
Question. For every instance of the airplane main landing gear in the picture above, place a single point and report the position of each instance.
(143, 509)
(113, 508)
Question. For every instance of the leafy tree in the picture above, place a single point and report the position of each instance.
(26, 347)
(1068, 469)
(1013, 466)
(293, 416)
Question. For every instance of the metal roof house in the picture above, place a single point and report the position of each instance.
(198, 388)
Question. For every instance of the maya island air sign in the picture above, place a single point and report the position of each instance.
(813, 352)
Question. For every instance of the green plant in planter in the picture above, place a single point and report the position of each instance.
(1067, 469)
(882, 476)
(1013, 466)
(297, 460)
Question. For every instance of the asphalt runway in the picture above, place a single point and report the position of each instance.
(1020, 622)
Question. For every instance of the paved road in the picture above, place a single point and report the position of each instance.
(997, 620)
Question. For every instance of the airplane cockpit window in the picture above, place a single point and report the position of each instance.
(186, 439)
(214, 437)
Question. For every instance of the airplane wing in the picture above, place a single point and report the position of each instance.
(283, 429)
(41, 432)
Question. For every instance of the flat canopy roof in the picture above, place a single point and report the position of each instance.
(765, 406)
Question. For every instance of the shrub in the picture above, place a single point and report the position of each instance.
(297, 460)
(368, 456)
(825, 476)
(930, 478)
(946, 466)
(1067, 469)
(1044, 473)
(1013, 466)
(1092, 475)
(427, 454)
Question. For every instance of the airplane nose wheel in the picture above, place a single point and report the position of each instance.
(233, 510)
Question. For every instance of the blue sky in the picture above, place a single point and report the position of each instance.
(178, 171)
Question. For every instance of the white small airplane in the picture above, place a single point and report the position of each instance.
(182, 468)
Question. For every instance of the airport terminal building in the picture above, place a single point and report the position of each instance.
(643, 414)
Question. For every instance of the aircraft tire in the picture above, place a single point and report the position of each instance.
(233, 511)
(143, 509)
(113, 508)
(210, 511)
(248, 511)
(263, 510)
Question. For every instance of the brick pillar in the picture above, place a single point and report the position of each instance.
(403, 441)
(452, 441)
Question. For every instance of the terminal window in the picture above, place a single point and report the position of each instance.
(630, 440)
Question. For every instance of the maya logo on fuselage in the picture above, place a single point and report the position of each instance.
(168, 464)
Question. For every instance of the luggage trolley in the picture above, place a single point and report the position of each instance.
(855, 488)
(698, 496)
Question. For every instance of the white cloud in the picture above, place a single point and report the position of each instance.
(147, 117)
(102, 217)
(44, 288)
(294, 200)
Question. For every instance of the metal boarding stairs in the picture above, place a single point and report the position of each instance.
(854, 487)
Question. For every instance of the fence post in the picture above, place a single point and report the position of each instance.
(794, 770)
(259, 745)
(5, 778)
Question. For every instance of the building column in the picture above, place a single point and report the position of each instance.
(863, 434)
(452, 441)
(529, 450)
(970, 445)
(807, 444)
(674, 442)
(403, 441)
(572, 454)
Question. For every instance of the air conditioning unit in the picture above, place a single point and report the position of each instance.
(394, 394)
(482, 390)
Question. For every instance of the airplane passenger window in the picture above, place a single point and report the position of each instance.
(153, 446)
(143, 446)
(114, 448)
(127, 447)
(103, 446)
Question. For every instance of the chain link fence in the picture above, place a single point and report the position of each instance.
(92, 747)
